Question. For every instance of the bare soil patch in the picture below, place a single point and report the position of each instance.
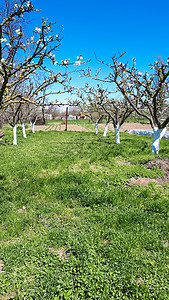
(161, 164)
(141, 181)
(130, 126)
(62, 252)
(9, 296)
(120, 162)
(61, 127)
(1, 266)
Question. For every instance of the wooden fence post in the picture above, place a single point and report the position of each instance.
(66, 117)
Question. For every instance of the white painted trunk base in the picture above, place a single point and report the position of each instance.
(96, 128)
(15, 135)
(117, 134)
(105, 129)
(33, 127)
(157, 136)
(23, 130)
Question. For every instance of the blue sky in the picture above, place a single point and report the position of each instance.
(141, 28)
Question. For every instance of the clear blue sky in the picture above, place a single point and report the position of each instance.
(141, 28)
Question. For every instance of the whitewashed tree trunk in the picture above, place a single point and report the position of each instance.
(117, 134)
(105, 129)
(15, 135)
(23, 130)
(157, 136)
(96, 128)
(33, 127)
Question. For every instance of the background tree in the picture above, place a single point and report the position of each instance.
(114, 110)
(88, 104)
(20, 57)
(12, 115)
(144, 92)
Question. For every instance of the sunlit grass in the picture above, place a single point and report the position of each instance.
(72, 228)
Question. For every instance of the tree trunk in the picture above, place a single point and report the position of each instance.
(23, 130)
(15, 135)
(1, 122)
(96, 128)
(33, 127)
(157, 136)
(117, 134)
(43, 115)
(105, 129)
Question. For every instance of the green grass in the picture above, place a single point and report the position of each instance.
(137, 119)
(86, 121)
(114, 237)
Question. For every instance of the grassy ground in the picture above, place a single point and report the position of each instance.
(71, 227)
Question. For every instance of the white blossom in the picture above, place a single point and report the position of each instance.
(3, 40)
(140, 74)
(65, 62)
(77, 63)
(18, 31)
(81, 57)
(38, 29)
(2, 60)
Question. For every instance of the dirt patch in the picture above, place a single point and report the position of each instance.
(141, 281)
(141, 181)
(161, 164)
(21, 209)
(124, 163)
(62, 252)
(9, 296)
(130, 126)
(1, 266)
(166, 244)
(61, 127)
